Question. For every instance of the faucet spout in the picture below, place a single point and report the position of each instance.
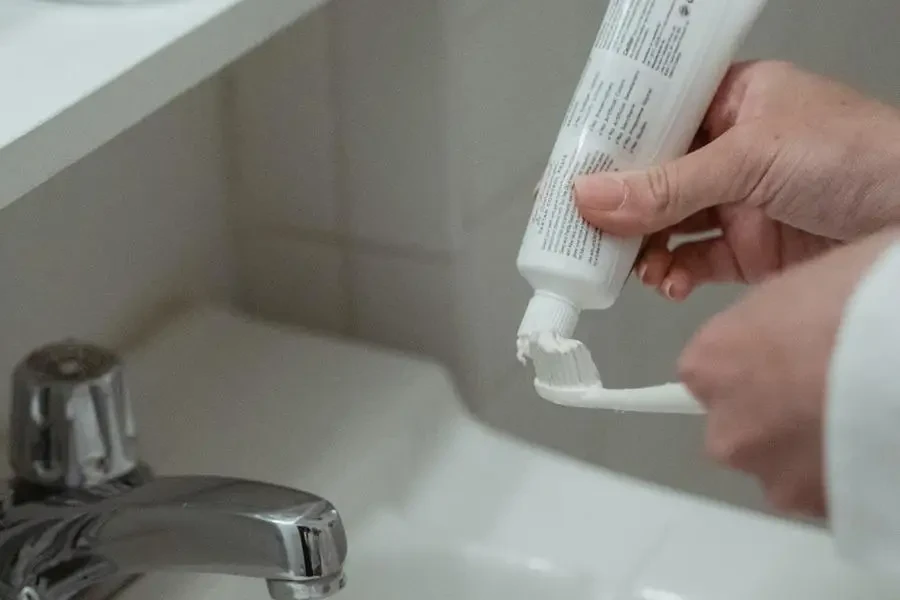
(84, 518)
(62, 544)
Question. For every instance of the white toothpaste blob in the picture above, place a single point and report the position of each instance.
(651, 75)
(562, 362)
(545, 344)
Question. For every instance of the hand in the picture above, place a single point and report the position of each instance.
(761, 368)
(787, 165)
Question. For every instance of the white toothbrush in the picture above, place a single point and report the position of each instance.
(565, 374)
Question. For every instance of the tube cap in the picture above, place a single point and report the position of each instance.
(549, 313)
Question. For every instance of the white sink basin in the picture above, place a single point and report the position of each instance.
(393, 560)
(437, 506)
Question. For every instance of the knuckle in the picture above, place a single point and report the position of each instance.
(755, 150)
(662, 190)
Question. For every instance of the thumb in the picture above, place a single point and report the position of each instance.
(635, 203)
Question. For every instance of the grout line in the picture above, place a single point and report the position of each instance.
(433, 257)
(234, 181)
(342, 199)
(347, 241)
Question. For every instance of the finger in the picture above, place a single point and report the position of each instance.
(707, 261)
(705, 220)
(643, 202)
(657, 266)
(677, 285)
(655, 260)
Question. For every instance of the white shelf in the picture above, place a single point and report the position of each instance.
(73, 76)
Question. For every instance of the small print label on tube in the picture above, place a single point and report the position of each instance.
(621, 110)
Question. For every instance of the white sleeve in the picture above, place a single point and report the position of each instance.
(862, 433)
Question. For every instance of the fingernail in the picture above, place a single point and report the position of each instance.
(600, 192)
(642, 272)
(676, 288)
(668, 289)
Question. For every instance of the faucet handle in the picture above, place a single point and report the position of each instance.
(72, 424)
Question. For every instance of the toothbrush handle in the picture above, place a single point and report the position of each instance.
(671, 398)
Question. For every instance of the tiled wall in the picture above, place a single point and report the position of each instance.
(117, 240)
(387, 150)
(402, 226)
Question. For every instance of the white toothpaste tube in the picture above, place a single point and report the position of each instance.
(653, 71)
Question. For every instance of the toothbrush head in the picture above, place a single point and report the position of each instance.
(562, 363)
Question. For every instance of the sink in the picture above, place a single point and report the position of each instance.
(437, 505)
(444, 574)
(419, 564)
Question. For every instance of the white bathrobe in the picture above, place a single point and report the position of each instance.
(863, 423)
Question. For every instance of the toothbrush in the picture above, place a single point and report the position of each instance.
(565, 374)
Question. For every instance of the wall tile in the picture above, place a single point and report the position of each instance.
(392, 95)
(512, 73)
(294, 280)
(825, 37)
(438, 107)
(513, 406)
(668, 450)
(458, 14)
(389, 33)
(282, 120)
(116, 239)
(492, 295)
(406, 303)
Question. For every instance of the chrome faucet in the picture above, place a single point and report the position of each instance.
(82, 518)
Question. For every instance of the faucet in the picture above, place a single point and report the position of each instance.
(82, 517)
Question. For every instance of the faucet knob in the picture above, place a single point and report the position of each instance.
(72, 424)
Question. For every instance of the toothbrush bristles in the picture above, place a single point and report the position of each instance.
(571, 366)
